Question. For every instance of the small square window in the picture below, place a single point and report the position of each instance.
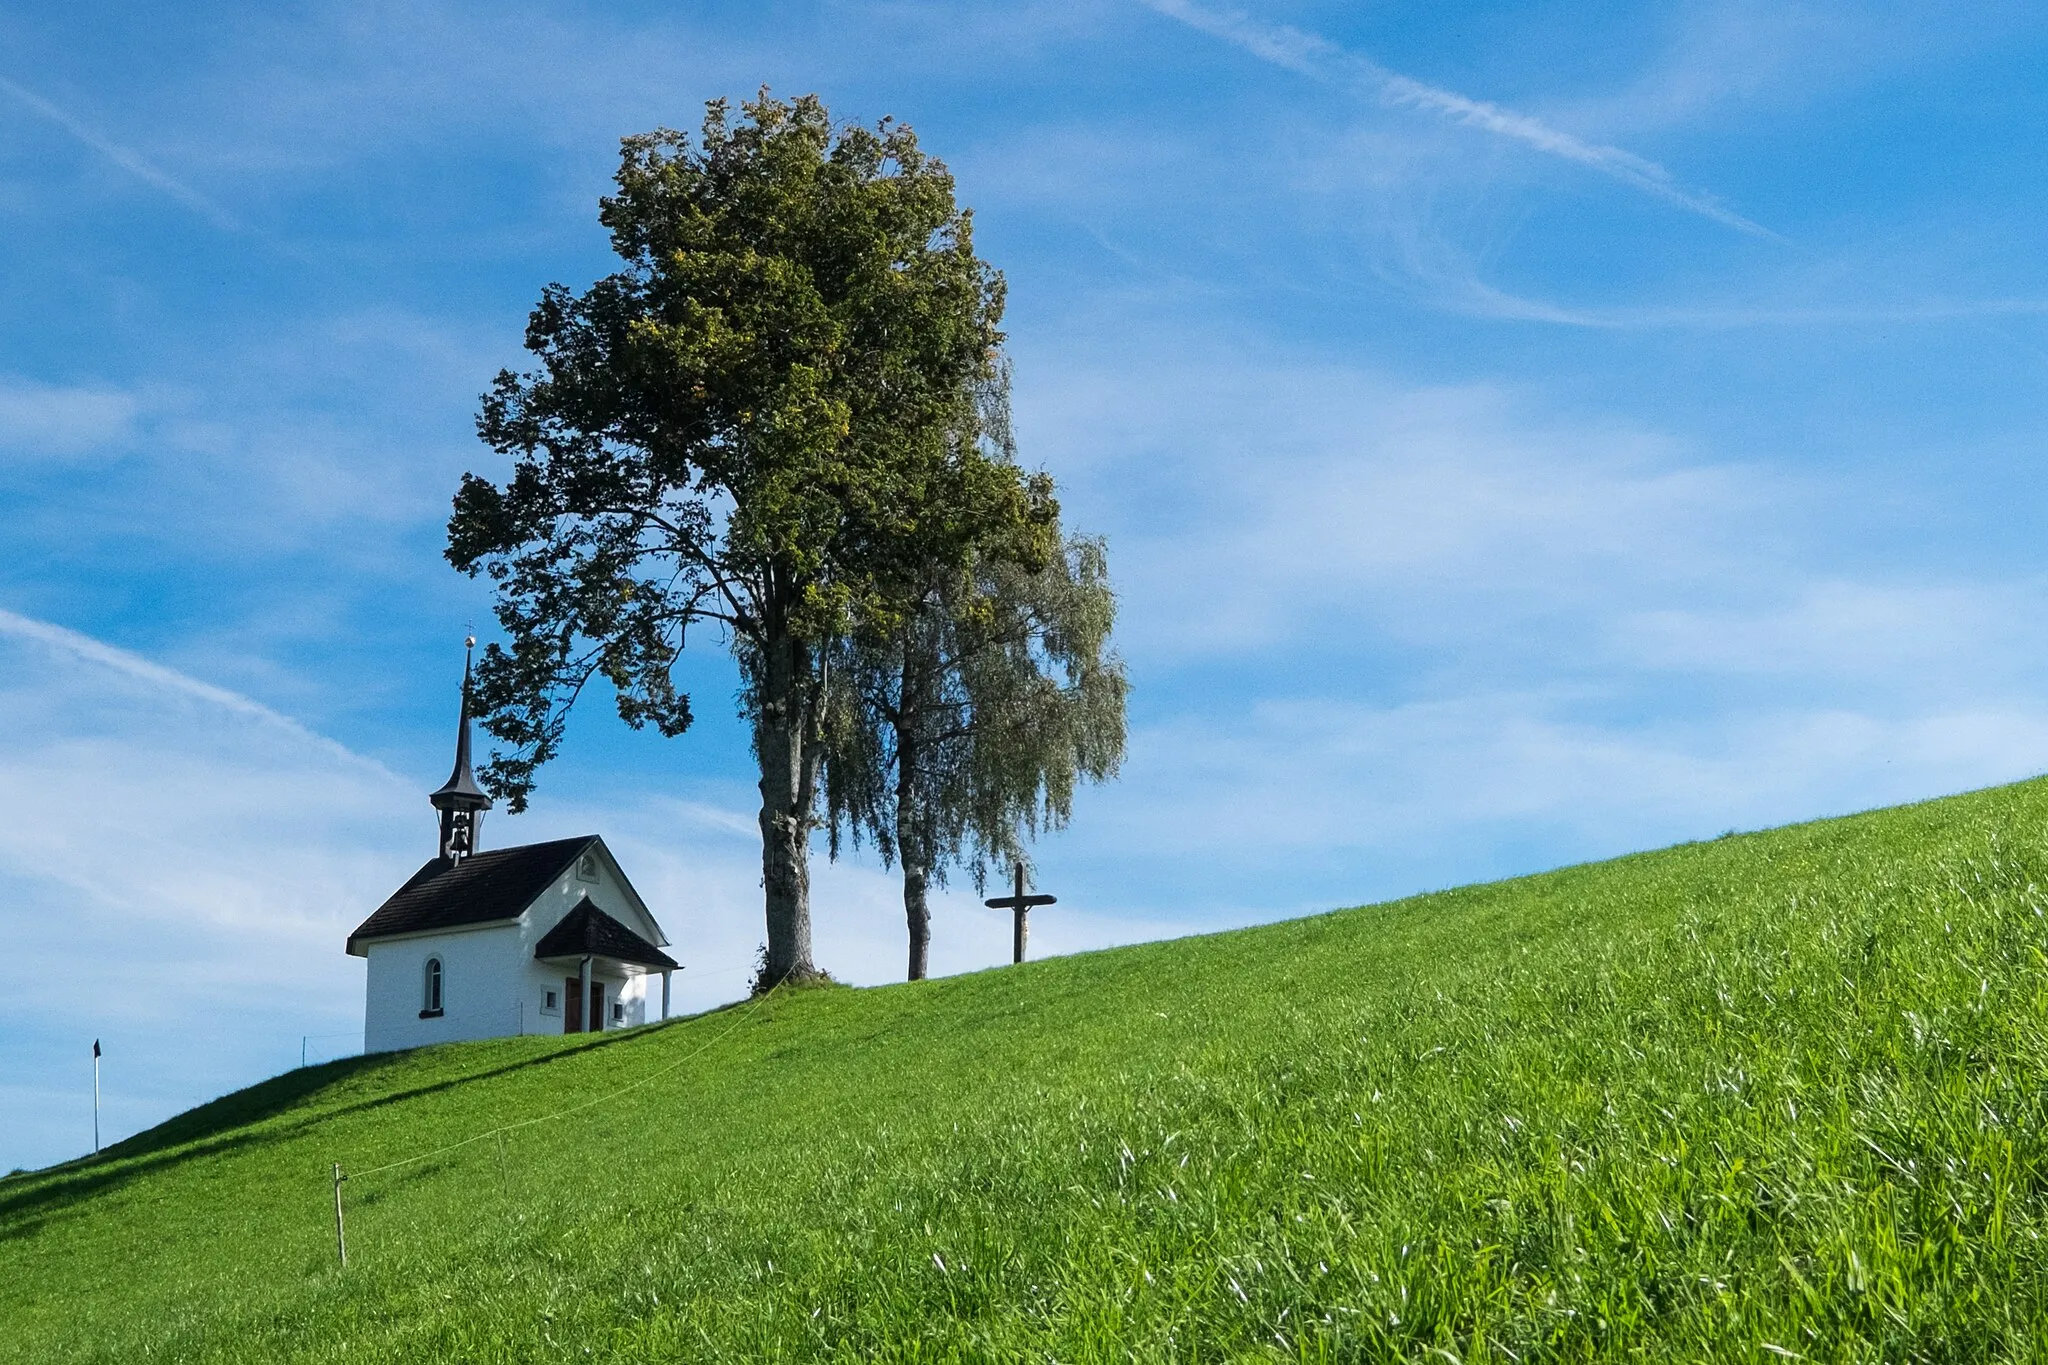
(618, 1013)
(550, 1003)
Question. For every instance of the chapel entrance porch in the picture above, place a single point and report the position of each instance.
(573, 1012)
(592, 942)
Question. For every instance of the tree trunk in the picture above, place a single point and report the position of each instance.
(919, 913)
(782, 742)
(913, 848)
(916, 856)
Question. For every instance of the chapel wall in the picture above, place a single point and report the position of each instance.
(481, 972)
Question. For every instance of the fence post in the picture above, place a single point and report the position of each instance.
(340, 1232)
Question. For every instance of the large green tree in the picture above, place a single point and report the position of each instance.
(763, 425)
(959, 726)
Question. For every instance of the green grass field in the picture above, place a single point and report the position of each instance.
(1775, 1096)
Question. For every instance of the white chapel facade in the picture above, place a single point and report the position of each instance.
(540, 938)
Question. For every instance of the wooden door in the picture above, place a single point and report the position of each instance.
(596, 1006)
(572, 1006)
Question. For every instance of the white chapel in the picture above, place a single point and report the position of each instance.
(542, 938)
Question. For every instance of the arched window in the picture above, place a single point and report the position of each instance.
(432, 1005)
(586, 867)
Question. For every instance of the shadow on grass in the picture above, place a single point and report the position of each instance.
(31, 1200)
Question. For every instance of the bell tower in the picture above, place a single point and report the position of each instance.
(460, 801)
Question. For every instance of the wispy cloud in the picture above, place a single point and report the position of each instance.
(1479, 299)
(1321, 59)
(1820, 315)
(47, 421)
(1448, 277)
(85, 649)
(127, 159)
(206, 855)
(1427, 517)
(1374, 800)
(1451, 633)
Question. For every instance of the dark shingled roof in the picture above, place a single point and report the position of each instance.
(587, 929)
(480, 888)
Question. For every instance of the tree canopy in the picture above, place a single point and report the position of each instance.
(763, 423)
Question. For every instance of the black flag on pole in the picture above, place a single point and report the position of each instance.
(95, 1047)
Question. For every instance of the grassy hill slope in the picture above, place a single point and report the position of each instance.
(1778, 1093)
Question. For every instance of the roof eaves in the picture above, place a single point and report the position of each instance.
(464, 928)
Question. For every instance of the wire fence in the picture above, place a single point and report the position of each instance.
(320, 1047)
(740, 1017)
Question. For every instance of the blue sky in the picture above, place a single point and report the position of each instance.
(1524, 433)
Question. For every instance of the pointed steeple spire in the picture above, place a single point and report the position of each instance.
(461, 802)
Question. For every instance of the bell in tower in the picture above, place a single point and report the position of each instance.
(461, 802)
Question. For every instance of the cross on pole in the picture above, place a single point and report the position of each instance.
(1020, 904)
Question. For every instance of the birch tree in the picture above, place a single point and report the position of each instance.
(959, 735)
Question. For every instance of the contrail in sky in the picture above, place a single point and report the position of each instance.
(1321, 59)
(129, 161)
(87, 649)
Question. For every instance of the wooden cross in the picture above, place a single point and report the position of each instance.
(1021, 905)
